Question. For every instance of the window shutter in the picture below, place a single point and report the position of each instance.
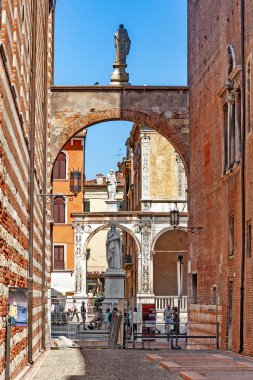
(59, 171)
(59, 257)
(59, 210)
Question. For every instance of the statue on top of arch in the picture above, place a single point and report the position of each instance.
(122, 44)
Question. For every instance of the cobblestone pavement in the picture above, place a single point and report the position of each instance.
(59, 365)
(121, 365)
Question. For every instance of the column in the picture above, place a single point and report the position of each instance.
(225, 137)
(145, 287)
(231, 130)
(237, 126)
(81, 233)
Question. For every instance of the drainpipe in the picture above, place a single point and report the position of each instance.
(44, 205)
(242, 180)
(31, 183)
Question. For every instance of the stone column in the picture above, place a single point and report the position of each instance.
(225, 137)
(81, 233)
(237, 126)
(231, 130)
(152, 272)
(145, 287)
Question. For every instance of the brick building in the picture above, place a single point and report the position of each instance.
(26, 51)
(220, 43)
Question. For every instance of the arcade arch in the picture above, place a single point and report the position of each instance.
(166, 247)
(95, 245)
(164, 109)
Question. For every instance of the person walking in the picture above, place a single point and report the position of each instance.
(75, 311)
(135, 320)
(168, 320)
(175, 317)
(83, 315)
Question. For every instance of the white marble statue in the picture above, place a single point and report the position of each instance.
(114, 248)
(111, 185)
(122, 44)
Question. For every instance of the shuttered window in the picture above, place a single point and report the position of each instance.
(59, 210)
(59, 257)
(59, 171)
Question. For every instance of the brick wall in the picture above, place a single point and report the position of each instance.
(212, 26)
(15, 144)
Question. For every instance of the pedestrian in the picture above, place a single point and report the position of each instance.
(175, 317)
(75, 311)
(168, 320)
(135, 321)
(83, 315)
(108, 316)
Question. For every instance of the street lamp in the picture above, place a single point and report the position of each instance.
(180, 276)
(75, 182)
(180, 294)
(175, 223)
(174, 218)
(75, 188)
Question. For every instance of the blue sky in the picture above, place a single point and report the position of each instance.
(84, 53)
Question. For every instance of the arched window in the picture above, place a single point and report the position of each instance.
(59, 171)
(59, 210)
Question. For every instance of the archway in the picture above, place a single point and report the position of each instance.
(92, 242)
(168, 245)
(164, 109)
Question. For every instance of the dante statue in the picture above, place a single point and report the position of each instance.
(111, 185)
(114, 248)
(122, 44)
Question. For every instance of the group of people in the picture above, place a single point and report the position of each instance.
(171, 319)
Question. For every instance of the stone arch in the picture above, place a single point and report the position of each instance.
(173, 129)
(107, 225)
(166, 247)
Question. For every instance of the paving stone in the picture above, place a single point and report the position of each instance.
(121, 365)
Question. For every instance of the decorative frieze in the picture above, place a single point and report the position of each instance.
(145, 146)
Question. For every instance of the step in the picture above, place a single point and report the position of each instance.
(203, 367)
(216, 376)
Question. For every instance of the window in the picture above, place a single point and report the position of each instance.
(231, 227)
(87, 205)
(249, 238)
(59, 257)
(231, 115)
(194, 288)
(59, 210)
(59, 171)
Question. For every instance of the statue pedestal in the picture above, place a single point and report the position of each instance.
(112, 206)
(119, 76)
(114, 284)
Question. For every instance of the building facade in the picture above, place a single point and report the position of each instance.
(91, 198)
(155, 182)
(26, 73)
(220, 43)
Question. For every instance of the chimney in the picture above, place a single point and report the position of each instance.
(99, 179)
